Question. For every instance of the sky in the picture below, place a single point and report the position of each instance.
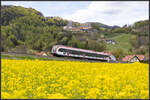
(106, 12)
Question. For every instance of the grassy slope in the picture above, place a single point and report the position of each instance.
(4, 56)
(122, 42)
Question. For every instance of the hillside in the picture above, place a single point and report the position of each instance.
(102, 25)
(28, 29)
(122, 42)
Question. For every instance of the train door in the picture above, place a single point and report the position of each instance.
(68, 53)
(84, 55)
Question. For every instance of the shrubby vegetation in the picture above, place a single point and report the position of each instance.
(141, 31)
(119, 53)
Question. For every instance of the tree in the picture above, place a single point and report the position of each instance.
(119, 53)
(93, 45)
(133, 41)
(73, 42)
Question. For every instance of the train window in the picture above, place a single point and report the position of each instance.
(82, 53)
(62, 50)
(88, 54)
(75, 52)
(70, 51)
(95, 55)
(101, 56)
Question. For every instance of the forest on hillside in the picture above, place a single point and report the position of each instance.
(29, 29)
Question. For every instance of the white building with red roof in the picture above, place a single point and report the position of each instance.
(134, 58)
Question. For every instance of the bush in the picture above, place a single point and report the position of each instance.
(119, 53)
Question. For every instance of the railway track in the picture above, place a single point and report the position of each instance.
(17, 56)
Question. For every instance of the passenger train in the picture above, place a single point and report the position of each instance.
(60, 50)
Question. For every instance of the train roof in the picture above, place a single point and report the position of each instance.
(91, 51)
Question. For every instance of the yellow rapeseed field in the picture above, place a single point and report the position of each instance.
(34, 79)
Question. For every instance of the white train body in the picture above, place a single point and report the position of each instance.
(81, 53)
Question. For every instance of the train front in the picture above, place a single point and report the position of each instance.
(54, 48)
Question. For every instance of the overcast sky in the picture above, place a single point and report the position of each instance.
(107, 12)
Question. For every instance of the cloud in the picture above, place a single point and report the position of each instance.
(107, 12)
(46, 7)
(18, 3)
(51, 8)
(112, 13)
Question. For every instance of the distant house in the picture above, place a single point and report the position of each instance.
(134, 58)
(81, 28)
(85, 28)
(110, 41)
(74, 29)
(71, 27)
(101, 40)
(41, 54)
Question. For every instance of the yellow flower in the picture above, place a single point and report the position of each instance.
(36, 79)
(56, 96)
